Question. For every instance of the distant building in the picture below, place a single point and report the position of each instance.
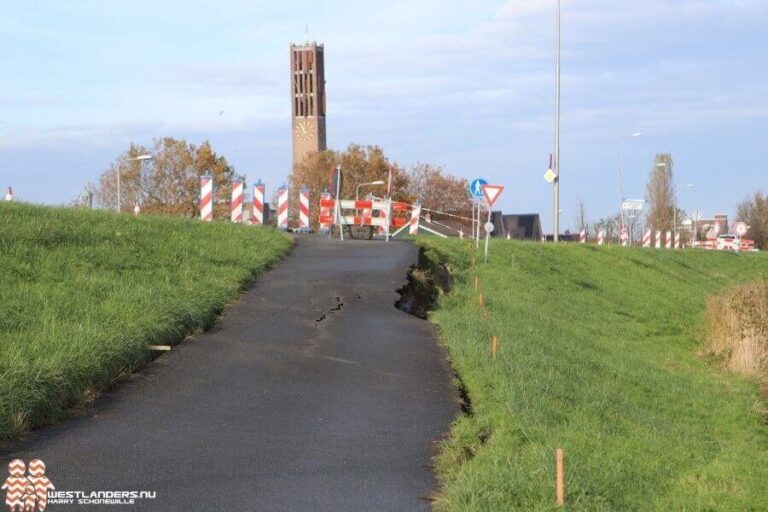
(718, 223)
(307, 99)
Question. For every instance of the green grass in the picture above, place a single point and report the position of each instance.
(83, 293)
(600, 354)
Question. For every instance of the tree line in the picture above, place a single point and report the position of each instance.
(169, 182)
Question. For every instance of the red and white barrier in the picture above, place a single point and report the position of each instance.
(326, 221)
(136, 210)
(304, 209)
(583, 236)
(677, 240)
(258, 204)
(368, 214)
(415, 215)
(236, 206)
(647, 238)
(601, 237)
(668, 240)
(282, 208)
(206, 198)
(9, 194)
(658, 239)
(624, 237)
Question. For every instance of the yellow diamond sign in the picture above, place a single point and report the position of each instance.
(550, 175)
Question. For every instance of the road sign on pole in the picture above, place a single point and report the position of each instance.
(476, 187)
(492, 193)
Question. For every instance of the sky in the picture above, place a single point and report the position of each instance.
(468, 85)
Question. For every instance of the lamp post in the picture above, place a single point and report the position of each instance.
(556, 207)
(357, 189)
(619, 182)
(119, 165)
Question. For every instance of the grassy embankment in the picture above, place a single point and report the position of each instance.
(600, 353)
(83, 293)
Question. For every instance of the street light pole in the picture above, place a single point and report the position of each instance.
(556, 206)
(357, 189)
(119, 165)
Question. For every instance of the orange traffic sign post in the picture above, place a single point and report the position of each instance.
(491, 193)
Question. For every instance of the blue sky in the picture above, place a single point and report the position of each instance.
(468, 85)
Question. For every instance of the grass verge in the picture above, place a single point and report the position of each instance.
(83, 293)
(600, 353)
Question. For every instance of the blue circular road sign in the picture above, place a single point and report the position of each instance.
(475, 187)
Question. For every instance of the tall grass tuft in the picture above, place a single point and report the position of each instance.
(83, 293)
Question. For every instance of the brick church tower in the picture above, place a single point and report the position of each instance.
(307, 99)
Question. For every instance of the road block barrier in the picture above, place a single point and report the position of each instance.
(326, 220)
(668, 240)
(304, 209)
(385, 209)
(236, 205)
(677, 240)
(658, 239)
(257, 218)
(647, 238)
(282, 207)
(583, 236)
(601, 237)
(206, 198)
(414, 223)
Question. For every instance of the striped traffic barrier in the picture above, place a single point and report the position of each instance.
(601, 237)
(668, 240)
(415, 215)
(304, 209)
(206, 198)
(368, 214)
(9, 194)
(658, 239)
(647, 238)
(624, 237)
(136, 210)
(677, 240)
(236, 206)
(325, 212)
(258, 204)
(282, 207)
(583, 236)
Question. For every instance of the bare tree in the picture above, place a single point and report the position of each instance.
(661, 193)
(581, 216)
(754, 212)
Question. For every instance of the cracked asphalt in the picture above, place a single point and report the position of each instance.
(312, 392)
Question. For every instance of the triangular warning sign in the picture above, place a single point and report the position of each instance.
(492, 193)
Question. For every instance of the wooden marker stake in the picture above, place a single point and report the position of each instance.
(480, 300)
(494, 346)
(559, 478)
(477, 283)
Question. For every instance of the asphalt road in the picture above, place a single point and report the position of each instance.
(312, 392)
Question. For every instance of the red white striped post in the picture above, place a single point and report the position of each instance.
(583, 236)
(304, 209)
(206, 198)
(668, 240)
(236, 206)
(9, 194)
(367, 214)
(624, 237)
(677, 240)
(282, 207)
(658, 239)
(415, 214)
(325, 213)
(647, 238)
(258, 204)
(136, 210)
(601, 237)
